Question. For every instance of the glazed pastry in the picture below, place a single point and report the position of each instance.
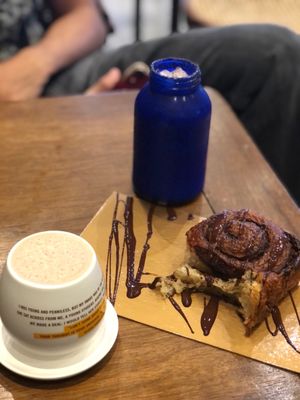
(241, 257)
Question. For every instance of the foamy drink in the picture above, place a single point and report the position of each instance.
(51, 257)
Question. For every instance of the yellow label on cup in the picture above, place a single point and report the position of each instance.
(81, 327)
(85, 325)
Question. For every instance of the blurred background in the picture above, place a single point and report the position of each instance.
(155, 19)
(158, 17)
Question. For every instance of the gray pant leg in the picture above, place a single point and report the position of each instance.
(76, 78)
(255, 67)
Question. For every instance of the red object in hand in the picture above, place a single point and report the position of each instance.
(134, 77)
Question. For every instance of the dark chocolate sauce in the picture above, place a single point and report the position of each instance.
(209, 314)
(152, 285)
(130, 242)
(172, 216)
(133, 284)
(119, 261)
(149, 273)
(179, 310)
(114, 238)
(294, 306)
(273, 333)
(146, 246)
(186, 297)
(275, 312)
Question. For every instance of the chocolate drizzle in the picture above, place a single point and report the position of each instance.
(294, 307)
(279, 326)
(114, 237)
(186, 297)
(179, 310)
(273, 333)
(133, 284)
(209, 314)
(210, 310)
(153, 284)
(276, 316)
(172, 216)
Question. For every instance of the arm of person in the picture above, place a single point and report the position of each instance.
(77, 31)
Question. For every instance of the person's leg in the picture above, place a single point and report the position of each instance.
(255, 67)
(73, 80)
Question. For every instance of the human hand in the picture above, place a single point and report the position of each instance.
(24, 75)
(107, 82)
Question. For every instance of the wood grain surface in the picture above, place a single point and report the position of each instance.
(60, 159)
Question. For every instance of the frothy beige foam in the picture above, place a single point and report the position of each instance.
(51, 257)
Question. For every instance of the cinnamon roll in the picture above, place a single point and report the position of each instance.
(242, 257)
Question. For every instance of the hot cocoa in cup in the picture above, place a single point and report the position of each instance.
(52, 294)
(51, 258)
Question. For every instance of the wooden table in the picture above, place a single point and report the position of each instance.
(60, 159)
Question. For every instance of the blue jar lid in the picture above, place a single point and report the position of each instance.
(163, 80)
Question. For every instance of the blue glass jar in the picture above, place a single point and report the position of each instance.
(171, 129)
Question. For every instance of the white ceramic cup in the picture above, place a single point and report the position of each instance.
(52, 319)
